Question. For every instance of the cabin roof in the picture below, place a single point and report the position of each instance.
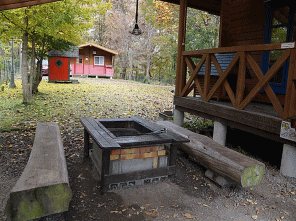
(99, 47)
(11, 4)
(211, 6)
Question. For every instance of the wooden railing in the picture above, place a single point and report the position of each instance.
(242, 57)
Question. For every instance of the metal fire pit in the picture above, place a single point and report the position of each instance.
(130, 151)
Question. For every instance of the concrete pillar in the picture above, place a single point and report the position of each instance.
(288, 164)
(220, 131)
(178, 117)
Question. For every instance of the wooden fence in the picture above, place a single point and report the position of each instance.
(243, 57)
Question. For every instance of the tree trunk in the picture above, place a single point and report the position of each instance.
(242, 169)
(25, 69)
(33, 66)
(130, 58)
(38, 77)
(148, 66)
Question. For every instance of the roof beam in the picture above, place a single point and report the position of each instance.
(12, 4)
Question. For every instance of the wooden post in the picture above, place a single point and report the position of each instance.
(86, 144)
(289, 108)
(181, 65)
(240, 87)
(207, 76)
(105, 169)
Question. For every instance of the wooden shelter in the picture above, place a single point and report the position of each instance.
(11, 4)
(59, 64)
(248, 82)
(93, 60)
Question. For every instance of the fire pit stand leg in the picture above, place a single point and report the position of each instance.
(105, 169)
(173, 155)
(86, 144)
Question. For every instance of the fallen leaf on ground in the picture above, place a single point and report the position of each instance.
(188, 216)
(82, 195)
(102, 204)
(153, 214)
(254, 217)
(115, 211)
(80, 176)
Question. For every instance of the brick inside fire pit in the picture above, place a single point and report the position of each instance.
(130, 150)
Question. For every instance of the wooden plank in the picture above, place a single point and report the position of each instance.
(241, 80)
(289, 108)
(199, 87)
(180, 68)
(235, 49)
(212, 109)
(193, 75)
(273, 98)
(143, 140)
(236, 36)
(192, 68)
(105, 169)
(103, 132)
(92, 128)
(218, 158)
(86, 144)
(43, 188)
(189, 90)
(12, 4)
(264, 80)
(207, 78)
(175, 137)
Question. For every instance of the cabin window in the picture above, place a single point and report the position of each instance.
(79, 59)
(279, 27)
(99, 60)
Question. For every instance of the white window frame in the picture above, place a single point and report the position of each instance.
(101, 61)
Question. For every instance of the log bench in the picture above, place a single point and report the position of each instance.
(228, 163)
(43, 188)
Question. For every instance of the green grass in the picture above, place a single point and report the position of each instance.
(66, 103)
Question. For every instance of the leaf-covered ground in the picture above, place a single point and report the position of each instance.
(66, 103)
(188, 196)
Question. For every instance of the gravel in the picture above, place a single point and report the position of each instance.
(190, 195)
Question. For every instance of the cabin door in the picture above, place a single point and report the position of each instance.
(279, 27)
(79, 65)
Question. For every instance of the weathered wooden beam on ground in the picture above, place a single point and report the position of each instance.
(241, 169)
(43, 188)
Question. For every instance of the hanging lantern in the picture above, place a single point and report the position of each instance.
(136, 30)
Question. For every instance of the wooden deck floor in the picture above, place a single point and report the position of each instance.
(257, 118)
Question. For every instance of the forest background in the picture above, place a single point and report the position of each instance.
(58, 25)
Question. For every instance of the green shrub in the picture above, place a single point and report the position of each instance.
(201, 126)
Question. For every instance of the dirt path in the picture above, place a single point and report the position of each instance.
(189, 196)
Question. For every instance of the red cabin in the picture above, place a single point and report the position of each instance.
(93, 60)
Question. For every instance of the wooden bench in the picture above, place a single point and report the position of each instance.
(43, 188)
(228, 163)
